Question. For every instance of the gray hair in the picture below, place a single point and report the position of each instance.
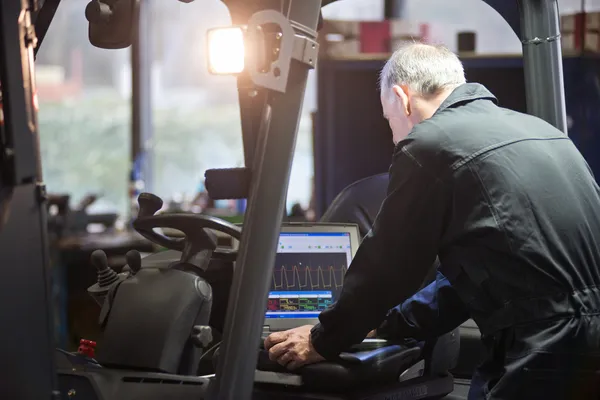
(425, 69)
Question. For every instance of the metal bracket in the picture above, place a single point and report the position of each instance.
(305, 50)
(537, 40)
(293, 46)
(277, 76)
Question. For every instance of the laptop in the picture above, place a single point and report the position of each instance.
(308, 275)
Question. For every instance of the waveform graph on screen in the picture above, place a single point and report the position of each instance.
(304, 272)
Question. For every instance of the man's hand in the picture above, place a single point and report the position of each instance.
(292, 348)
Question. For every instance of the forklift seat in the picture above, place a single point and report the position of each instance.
(359, 203)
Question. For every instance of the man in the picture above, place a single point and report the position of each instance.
(512, 210)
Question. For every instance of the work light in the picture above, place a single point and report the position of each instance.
(226, 50)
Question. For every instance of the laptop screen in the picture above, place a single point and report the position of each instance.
(309, 269)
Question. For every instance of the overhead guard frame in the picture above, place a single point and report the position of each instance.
(271, 166)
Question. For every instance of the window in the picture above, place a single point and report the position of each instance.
(446, 19)
(84, 115)
(196, 115)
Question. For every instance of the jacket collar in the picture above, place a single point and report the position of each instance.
(465, 94)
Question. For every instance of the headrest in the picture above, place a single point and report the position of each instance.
(359, 203)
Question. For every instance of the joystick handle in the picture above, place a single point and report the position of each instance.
(106, 276)
(149, 204)
(134, 260)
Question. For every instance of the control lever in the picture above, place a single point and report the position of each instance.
(107, 277)
(134, 261)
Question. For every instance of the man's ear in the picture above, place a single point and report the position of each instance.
(402, 93)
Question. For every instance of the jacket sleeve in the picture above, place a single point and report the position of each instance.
(434, 310)
(393, 259)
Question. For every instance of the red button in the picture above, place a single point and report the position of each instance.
(87, 348)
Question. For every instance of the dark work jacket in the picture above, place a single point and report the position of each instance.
(513, 211)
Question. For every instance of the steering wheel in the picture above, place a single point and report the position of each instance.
(193, 226)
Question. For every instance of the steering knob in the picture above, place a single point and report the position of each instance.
(149, 204)
(98, 12)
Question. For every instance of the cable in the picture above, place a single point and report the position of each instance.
(212, 348)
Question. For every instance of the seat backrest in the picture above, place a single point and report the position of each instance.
(151, 319)
(359, 203)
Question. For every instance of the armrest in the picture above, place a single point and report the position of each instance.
(371, 358)
(365, 368)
